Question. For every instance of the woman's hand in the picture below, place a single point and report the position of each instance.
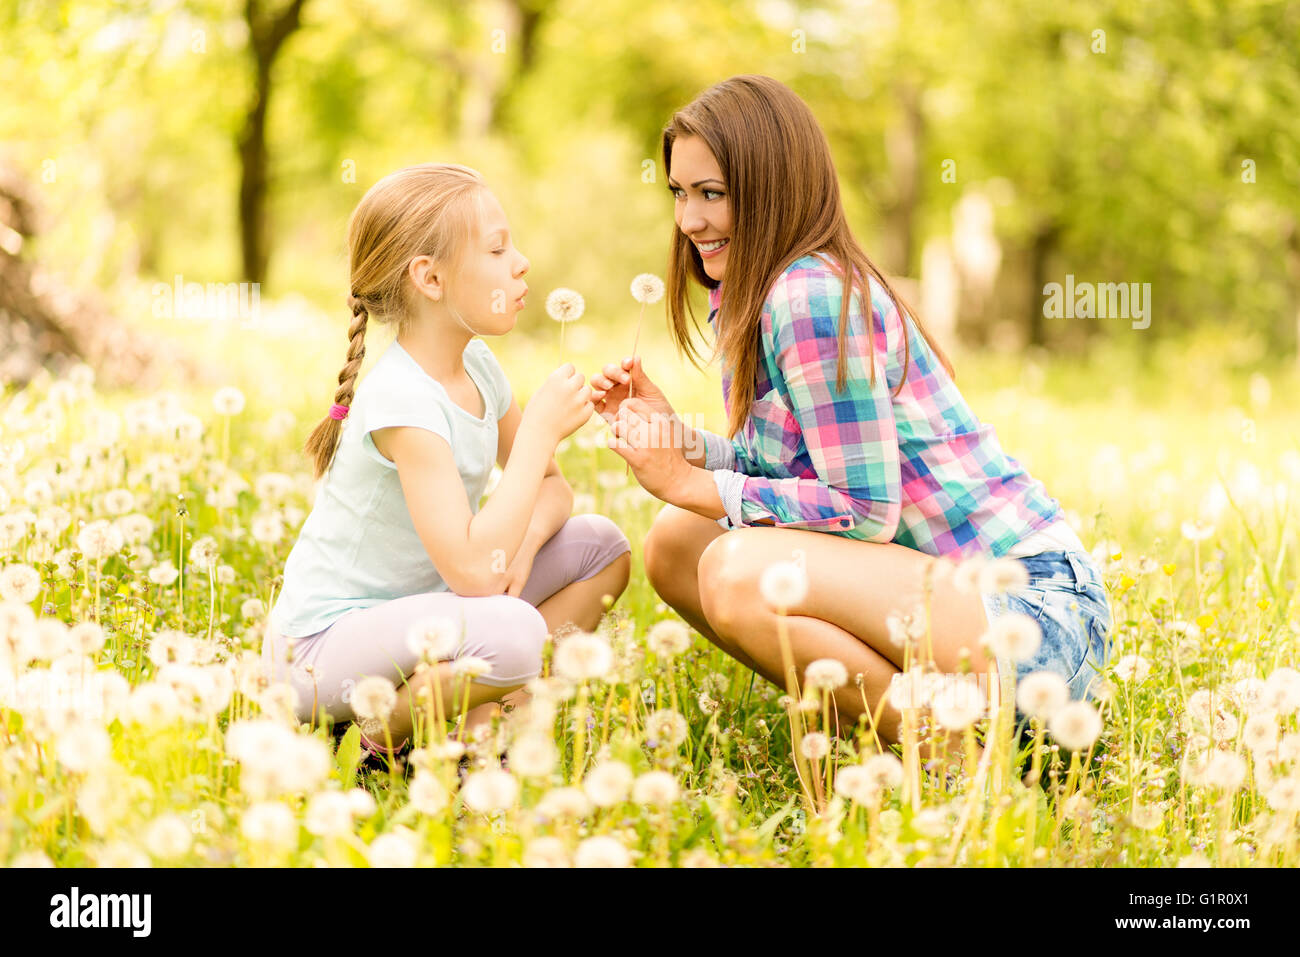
(610, 387)
(650, 442)
(516, 576)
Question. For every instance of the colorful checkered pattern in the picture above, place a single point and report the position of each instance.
(917, 469)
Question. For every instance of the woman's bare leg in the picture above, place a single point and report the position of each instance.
(672, 551)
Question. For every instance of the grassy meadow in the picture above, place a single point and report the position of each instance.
(141, 536)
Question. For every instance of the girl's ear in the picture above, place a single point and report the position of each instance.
(426, 277)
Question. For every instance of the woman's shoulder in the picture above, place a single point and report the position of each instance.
(815, 282)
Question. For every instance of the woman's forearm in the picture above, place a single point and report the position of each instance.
(697, 492)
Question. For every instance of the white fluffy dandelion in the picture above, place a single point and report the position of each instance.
(667, 727)
(269, 823)
(427, 794)
(602, 852)
(563, 803)
(329, 813)
(533, 755)
(1041, 694)
(471, 667)
(655, 789)
(884, 770)
(395, 848)
(1075, 726)
(20, 583)
(564, 305)
(855, 783)
(1014, 636)
(490, 790)
(1197, 531)
(374, 697)
(164, 573)
(546, 851)
(815, 745)
(647, 288)
(1132, 669)
(957, 703)
(434, 638)
(608, 783)
(825, 674)
(583, 656)
(783, 585)
(1003, 575)
(668, 638)
(228, 401)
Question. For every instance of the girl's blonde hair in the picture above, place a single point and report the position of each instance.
(426, 210)
(785, 204)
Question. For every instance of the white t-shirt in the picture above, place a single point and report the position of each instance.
(1059, 536)
(358, 547)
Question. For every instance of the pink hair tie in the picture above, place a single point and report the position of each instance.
(338, 411)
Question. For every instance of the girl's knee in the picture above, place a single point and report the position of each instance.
(608, 537)
(515, 642)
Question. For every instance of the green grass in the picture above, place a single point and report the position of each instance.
(94, 776)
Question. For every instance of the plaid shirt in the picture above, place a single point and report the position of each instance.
(917, 469)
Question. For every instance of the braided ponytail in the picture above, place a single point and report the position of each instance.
(426, 210)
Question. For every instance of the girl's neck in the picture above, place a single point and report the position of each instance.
(438, 350)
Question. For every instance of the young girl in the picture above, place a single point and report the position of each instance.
(395, 539)
(851, 450)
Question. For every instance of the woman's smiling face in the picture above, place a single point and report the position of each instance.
(702, 210)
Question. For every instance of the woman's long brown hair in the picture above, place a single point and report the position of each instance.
(785, 203)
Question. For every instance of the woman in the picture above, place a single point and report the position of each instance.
(850, 451)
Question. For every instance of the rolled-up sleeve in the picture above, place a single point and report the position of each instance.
(851, 437)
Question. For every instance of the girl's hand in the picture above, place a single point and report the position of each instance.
(610, 388)
(650, 442)
(516, 576)
(561, 406)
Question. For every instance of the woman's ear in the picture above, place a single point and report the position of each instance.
(426, 277)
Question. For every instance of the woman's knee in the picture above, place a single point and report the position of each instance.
(665, 548)
(728, 584)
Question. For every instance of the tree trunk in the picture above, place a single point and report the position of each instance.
(266, 36)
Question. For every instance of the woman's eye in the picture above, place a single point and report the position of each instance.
(713, 191)
(677, 191)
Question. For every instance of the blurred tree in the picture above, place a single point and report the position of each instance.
(268, 29)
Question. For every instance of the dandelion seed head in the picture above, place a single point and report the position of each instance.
(374, 697)
(583, 656)
(783, 585)
(668, 638)
(826, 674)
(491, 789)
(1040, 694)
(655, 789)
(608, 783)
(1075, 726)
(564, 305)
(1014, 636)
(602, 851)
(647, 288)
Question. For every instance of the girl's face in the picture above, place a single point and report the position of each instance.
(702, 210)
(488, 288)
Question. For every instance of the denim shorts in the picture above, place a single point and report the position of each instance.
(1067, 597)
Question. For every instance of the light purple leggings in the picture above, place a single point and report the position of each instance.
(506, 631)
